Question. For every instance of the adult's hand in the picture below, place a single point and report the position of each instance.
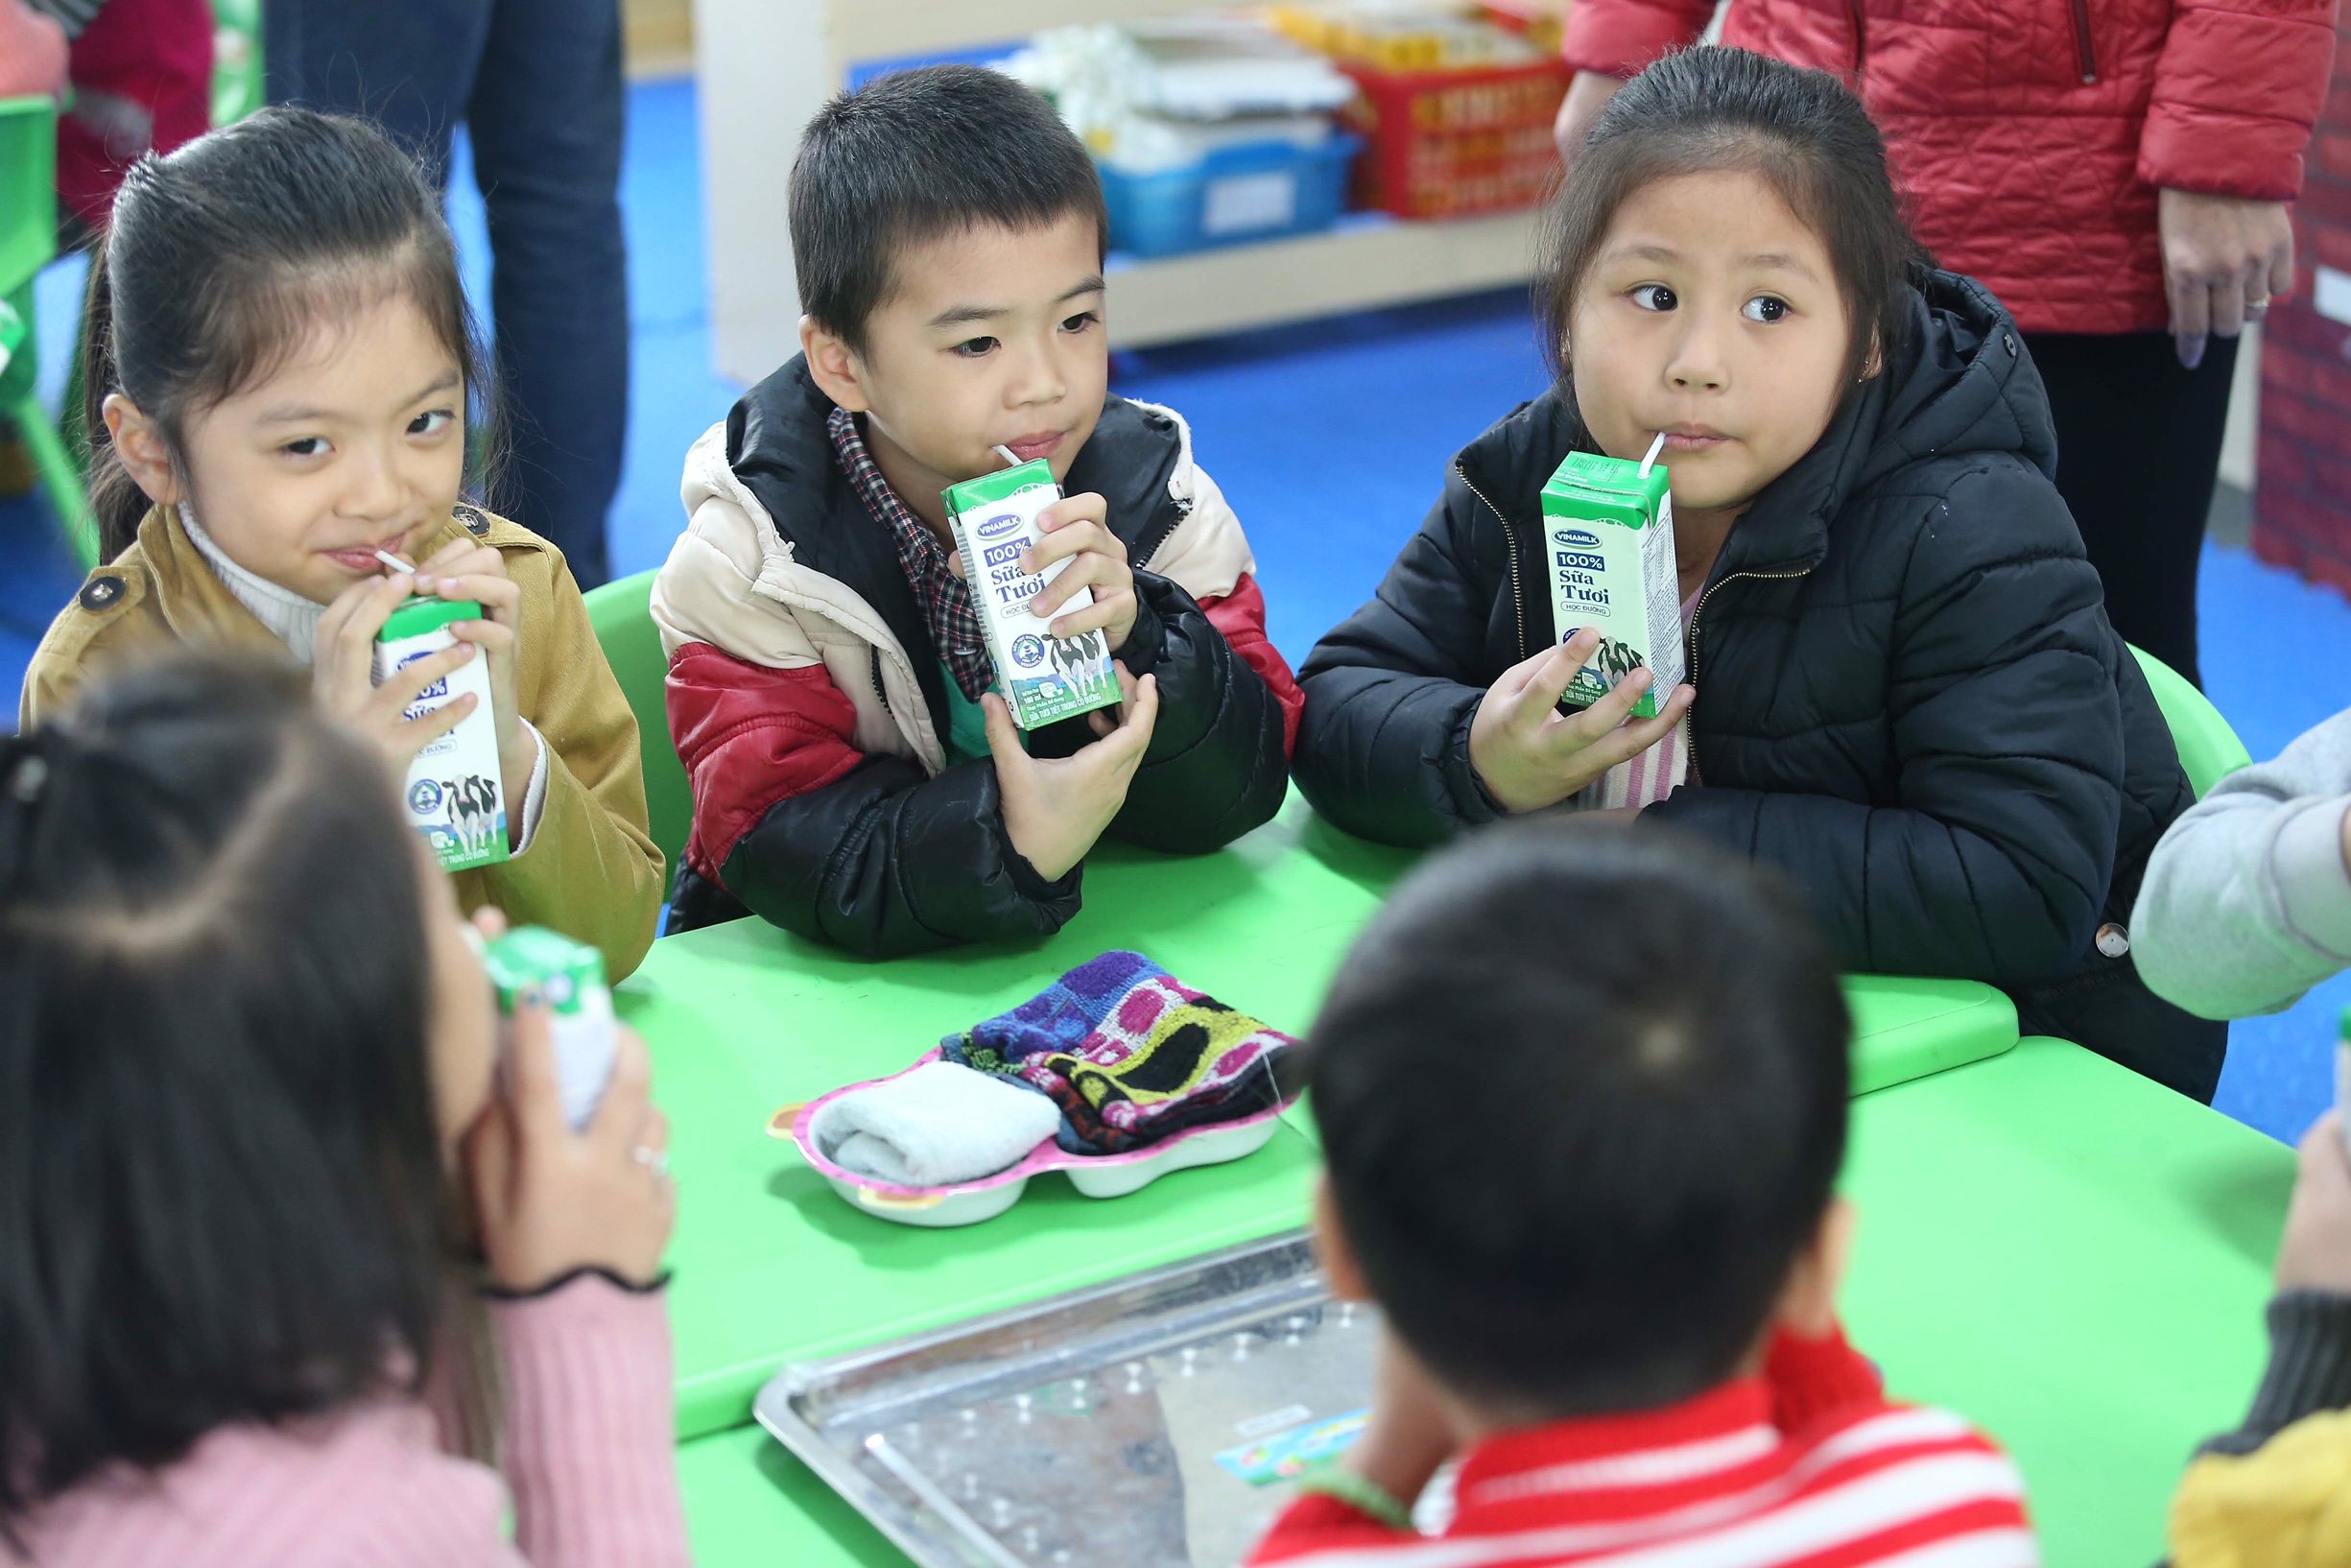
(2224, 259)
(1586, 96)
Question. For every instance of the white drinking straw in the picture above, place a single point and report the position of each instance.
(1654, 447)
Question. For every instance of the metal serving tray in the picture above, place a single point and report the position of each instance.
(1153, 1421)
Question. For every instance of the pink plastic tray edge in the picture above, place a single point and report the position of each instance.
(1047, 1155)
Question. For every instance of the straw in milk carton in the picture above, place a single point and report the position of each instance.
(570, 978)
(456, 790)
(1041, 677)
(1608, 551)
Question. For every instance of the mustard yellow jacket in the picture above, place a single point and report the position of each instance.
(591, 871)
(2285, 1504)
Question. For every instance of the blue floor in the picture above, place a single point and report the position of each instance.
(1330, 439)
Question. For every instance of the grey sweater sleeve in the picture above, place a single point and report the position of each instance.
(2309, 1369)
(2247, 903)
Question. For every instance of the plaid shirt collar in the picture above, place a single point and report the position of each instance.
(947, 609)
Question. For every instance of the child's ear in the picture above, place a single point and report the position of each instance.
(140, 446)
(1331, 1245)
(833, 365)
(1808, 1301)
(1875, 365)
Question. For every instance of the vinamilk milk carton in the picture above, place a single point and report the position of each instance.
(570, 978)
(1608, 551)
(455, 791)
(1041, 677)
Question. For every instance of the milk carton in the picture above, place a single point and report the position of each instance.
(1608, 552)
(570, 976)
(1041, 677)
(455, 786)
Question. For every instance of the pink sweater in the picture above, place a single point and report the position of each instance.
(589, 1454)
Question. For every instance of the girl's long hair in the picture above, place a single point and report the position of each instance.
(220, 261)
(222, 1193)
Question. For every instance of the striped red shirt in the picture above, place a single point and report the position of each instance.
(1806, 1466)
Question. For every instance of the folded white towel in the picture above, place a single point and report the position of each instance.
(938, 1125)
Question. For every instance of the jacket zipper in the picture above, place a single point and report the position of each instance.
(878, 689)
(1509, 536)
(1861, 33)
(2084, 54)
(1689, 640)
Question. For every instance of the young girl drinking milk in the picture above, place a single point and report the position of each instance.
(279, 360)
(242, 1137)
(1904, 692)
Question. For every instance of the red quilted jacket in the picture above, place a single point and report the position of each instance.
(2030, 135)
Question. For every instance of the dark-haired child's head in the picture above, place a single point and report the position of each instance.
(277, 336)
(1581, 1096)
(948, 233)
(1727, 261)
(240, 1029)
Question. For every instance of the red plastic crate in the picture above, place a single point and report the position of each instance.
(1446, 144)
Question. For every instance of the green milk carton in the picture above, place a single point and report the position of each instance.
(1041, 677)
(1608, 552)
(456, 787)
(570, 976)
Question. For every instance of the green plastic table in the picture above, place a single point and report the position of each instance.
(2066, 1253)
(772, 1267)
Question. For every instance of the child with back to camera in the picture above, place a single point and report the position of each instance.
(279, 361)
(1906, 694)
(237, 1133)
(854, 778)
(1617, 1307)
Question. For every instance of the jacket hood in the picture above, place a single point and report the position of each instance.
(1962, 384)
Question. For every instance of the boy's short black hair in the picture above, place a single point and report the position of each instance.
(1581, 1094)
(914, 156)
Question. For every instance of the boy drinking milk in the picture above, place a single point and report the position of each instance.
(856, 775)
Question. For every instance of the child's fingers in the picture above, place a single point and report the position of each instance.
(411, 681)
(1086, 507)
(490, 921)
(1089, 571)
(490, 636)
(1003, 736)
(1535, 701)
(489, 1158)
(531, 1086)
(1075, 539)
(620, 1119)
(359, 612)
(1136, 717)
(421, 732)
(501, 597)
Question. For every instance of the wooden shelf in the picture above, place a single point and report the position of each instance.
(765, 66)
(1360, 265)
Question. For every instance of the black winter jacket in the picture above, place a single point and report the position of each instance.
(1909, 699)
(892, 855)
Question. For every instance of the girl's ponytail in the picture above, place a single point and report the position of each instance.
(116, 501)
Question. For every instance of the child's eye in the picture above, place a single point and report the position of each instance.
(431, 423)
(1080, 321)
(976, 347)
(1763, 308)
(307, 446)
(1653, 297)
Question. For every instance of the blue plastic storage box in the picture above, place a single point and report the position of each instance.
(1256, 191)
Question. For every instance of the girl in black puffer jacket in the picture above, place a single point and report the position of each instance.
(1906, 695)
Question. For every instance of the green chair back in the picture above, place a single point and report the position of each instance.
(27, 243)
(2209, 750)
(622, 614)
(28, 189)
(236, 59)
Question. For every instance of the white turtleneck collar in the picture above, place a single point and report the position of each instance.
(291, 618)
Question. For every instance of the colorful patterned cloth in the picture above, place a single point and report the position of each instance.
(947, 609)
(1130, 1055)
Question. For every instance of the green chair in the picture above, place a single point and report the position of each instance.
(236, 59)
(2208, 749)
(622, 614)
(28, 241)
